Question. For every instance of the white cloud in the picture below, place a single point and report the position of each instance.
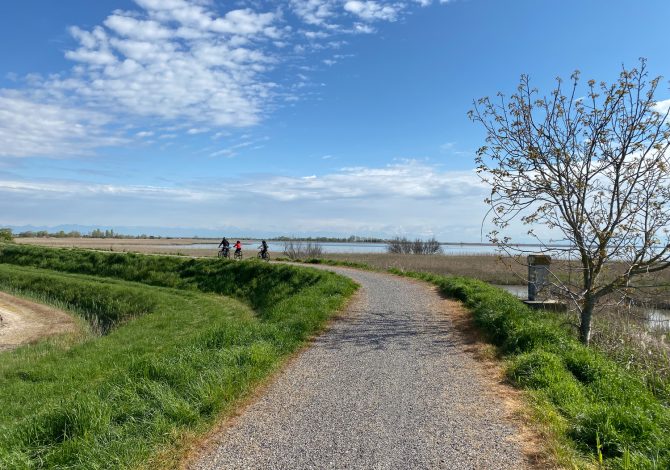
(406, 197)
(663, 106)
(409, 179)
(143, 134)
(370, 10)
(176, 61)
(315, 12)
(31, 129)
(183, 62)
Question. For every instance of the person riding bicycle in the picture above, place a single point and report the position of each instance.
(238, 247)
(264, 249)
(224, 247)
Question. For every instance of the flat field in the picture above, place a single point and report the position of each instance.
(130, 245)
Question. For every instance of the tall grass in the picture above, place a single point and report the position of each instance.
(114, 401)
(103, 305)
(259, 284)
(600, 409)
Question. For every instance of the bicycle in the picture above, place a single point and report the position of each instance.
(238, 254)
(264, 255)
(224, 252)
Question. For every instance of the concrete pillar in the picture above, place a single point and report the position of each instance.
(538, 273)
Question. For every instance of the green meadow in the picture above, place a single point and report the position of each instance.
(172, 344)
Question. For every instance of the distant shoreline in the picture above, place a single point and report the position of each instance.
(190, 240)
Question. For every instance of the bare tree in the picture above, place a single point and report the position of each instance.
(295, 250)
(593, 169)
(404, 246)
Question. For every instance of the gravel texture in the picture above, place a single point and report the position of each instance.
(389, 385)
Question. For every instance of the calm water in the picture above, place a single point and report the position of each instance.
(657, 319)
(338, 247)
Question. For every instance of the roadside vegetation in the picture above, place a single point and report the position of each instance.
(174, 343)
(6, 235)
(597, 411)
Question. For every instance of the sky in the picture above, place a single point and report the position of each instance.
(300, 117)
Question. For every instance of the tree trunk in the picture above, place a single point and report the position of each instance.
(585, 325)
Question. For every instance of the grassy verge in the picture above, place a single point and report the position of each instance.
(172, 359)
(595, 407)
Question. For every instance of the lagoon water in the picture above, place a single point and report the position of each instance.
(343, 247)
(656, 318)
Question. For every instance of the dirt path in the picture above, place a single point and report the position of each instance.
(26, 322)
(390, 385)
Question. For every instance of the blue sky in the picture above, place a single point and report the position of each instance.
(299, 117)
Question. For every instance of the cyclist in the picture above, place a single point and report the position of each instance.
(238, 248)
(264, 249)
(225, 246)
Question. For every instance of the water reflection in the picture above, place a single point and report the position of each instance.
(656, 318)
(342, 247)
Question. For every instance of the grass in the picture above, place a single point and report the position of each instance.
(103, 305)
(601, 413)
(175, 353)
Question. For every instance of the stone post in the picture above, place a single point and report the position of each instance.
(538, 272)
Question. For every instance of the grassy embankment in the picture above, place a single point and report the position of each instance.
(596, 410)
(167, 353)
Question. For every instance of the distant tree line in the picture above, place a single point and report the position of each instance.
(97, 233)
(414, 247)
(350, 239)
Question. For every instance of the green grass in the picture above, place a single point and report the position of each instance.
(103, 305)
(600, 411)
(175, 353)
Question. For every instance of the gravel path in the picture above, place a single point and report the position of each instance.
(388, 386)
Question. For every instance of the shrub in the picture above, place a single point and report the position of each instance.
(417, 247)
(6, 235)
(297, 250)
